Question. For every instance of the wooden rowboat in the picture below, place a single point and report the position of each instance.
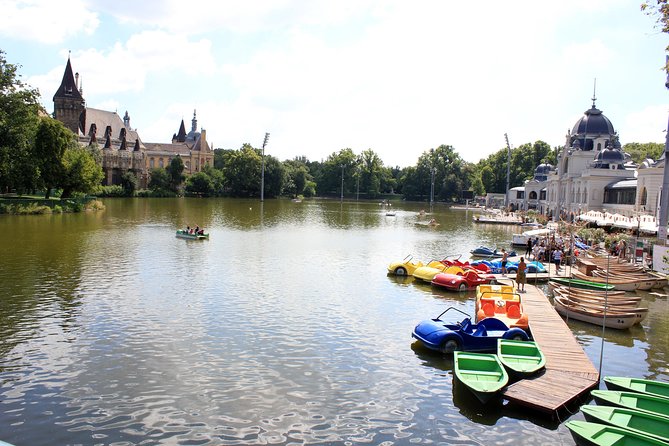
(612, 309)
(643, 423)
(619, 284)
(521, 358)
(587, 433)
(580, 283)
(632, 400)
(620, 321)
(639, 385)
(642, 282)
(604, 295)
(482, 373)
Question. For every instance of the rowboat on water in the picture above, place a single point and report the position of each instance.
(617, 320)
(521, 358)
(608, 297)
(188, 236)
(619, 284)
(612, 308)
(580, 283)
(639, 385)
(643, 423)
(643, 282)
(632, 400)
(587, 433)
(482, 373)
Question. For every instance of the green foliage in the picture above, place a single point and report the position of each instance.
(80, 172)
(108, 191)
(200, 184)
(175, 171)
(51, 142)
(242, 172)
(159, 179)
(19, 108)
(640, 152)
(129, 183)
(660, 10)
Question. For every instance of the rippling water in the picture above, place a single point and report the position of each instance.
(283, 328)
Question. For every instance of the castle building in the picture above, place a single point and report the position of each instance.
(592, 174)
(122, 148)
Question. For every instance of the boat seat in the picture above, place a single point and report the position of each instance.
(488, 309)
(476, 372)
(480, 331)
(513, 309)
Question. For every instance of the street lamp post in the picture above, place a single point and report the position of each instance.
(342, 183)
(357, 190)
(432, 171)
(262, 173)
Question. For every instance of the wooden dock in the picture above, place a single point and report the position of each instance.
(569, 373)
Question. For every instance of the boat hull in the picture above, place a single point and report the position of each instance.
(647, 386)
(643, 423)
(631, 400)
(481, 373)
(587, 433)
(521, 358)
(187, 236)
(618, 321)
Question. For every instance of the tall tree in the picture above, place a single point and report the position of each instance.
(51, 142)
(176, 173)
(639, 152)
(81, 173)
(19, 108)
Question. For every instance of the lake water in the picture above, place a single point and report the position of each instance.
(283, 328)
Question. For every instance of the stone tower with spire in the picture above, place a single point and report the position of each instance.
(68, 103)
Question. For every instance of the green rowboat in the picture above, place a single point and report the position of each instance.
(630, 400)
(648, 386)
(482, 373)
(580, 283)
(521, 358)
(597, 434)
(633, 420)
(188, 236)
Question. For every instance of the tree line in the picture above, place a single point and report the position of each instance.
(39, 153)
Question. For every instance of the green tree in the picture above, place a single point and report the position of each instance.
(175, 171)
(660, 10)
(129, 183)
(275, 177)
(81, 173)
(200, 183)
(19, 108)
(51, 142)
(160, 180)
(639, 152)
(242, 172)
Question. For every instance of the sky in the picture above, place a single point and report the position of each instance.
(394, 76)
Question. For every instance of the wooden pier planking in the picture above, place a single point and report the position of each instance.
(569, 372)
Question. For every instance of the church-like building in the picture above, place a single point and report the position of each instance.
(592, 174)
(122, 148)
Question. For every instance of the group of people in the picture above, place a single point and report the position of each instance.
(550, 251)
(197, 230)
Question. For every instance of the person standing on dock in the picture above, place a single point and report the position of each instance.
(557, 258)
(528, 251)
(520, 275)
(505, 255)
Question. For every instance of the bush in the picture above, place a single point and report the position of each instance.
(95, 205)
(109, 191)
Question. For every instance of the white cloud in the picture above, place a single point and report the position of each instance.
(46, 21)
(646, 125)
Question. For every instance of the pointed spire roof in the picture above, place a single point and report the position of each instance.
(181, 136)
(136, 149)
(68, 86)
(108, 142)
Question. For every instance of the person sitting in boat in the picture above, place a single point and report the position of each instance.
(197, 229)
(201, 231)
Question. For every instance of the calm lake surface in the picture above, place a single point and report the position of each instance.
(283, 328)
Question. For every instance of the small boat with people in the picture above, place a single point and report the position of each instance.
(189, 233)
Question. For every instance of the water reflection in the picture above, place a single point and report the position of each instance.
(282, 328)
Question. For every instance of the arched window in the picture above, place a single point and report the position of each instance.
(533, 195)
(152, 163)
(160, 162)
